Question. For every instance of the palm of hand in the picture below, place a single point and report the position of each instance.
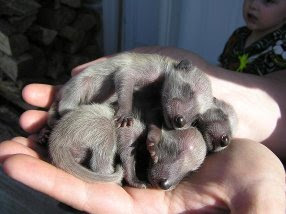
(217, 187)
(232, 180)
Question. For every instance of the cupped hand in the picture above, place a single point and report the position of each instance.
(244, 178)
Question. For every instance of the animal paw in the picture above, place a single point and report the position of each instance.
(152, 140)
(137, 184)
(124, 120)
(43, 136)
(151, 147)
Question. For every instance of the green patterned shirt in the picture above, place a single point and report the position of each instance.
(262, 57)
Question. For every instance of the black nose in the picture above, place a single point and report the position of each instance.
(164, 184)
(179, 121)
(224, 141)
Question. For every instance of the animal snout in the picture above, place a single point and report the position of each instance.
(179, 121)
(224, 141)
(164, 184)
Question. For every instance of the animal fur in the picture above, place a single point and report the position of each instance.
(217, 124)
(177, 151)
(186, 90)
(87, 129)
(186, 100)
(176, 154)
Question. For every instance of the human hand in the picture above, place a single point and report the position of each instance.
(244, 178)
(252, 97)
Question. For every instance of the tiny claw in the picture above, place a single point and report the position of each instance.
(130, 121)
(140, 185)
(151, 144)
(150, 149)
(118, 122)
(155, 159)
(143, 186)
(134, 182)
(123, 121)
(153, 155)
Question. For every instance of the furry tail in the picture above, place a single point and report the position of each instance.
(71, 166)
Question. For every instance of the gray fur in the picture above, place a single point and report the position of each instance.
(78, 132)
(91, 128)
(218, 124)
(177, 151)
(176, 154)
(186, 91)
(186, 98)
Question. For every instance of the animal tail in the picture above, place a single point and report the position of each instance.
(71, 166)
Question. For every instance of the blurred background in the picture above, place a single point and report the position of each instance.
(199, 26)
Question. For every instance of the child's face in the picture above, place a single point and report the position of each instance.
(264, 15)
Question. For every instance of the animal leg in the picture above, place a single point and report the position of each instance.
(124, 86)
(126, 152)
(153, 138)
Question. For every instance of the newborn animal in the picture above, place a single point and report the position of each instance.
(86, 131)
(185, 94)
(176, 154)
(90, 129)
(217, 125)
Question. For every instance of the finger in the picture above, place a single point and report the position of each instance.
(96, 197)
(40, 95)
(250, 167)
(45, 178)
(24, 141)
(33, 120)
(80, 68)
(12, 147)
(260, 197)
(31, 142)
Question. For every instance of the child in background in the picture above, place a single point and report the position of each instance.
(260, 46)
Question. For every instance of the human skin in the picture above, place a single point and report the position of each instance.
(258, 101)
(252, 181)
(263, 17)
(244, 178)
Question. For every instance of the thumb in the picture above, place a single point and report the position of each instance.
(46, 178)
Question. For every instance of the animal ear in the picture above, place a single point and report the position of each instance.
(183, 65)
